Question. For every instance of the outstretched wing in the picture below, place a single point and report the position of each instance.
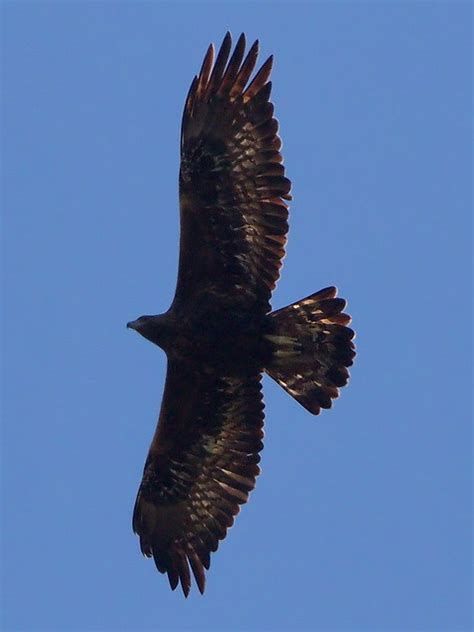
(232, 186)
(201, 466)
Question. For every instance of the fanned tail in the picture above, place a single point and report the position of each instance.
(312, 349)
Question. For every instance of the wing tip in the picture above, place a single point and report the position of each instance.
(214, 75)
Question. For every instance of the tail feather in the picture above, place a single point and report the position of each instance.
(312, 349)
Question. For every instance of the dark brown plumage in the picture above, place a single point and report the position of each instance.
(219, 333)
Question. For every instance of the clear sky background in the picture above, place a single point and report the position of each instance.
(361, 519)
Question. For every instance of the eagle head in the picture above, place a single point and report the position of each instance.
(156, 329)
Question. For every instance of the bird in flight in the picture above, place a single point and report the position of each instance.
(220, 334)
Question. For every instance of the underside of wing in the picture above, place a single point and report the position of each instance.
(232, 185)
(202, 464)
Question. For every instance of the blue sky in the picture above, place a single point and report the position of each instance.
(361, 519)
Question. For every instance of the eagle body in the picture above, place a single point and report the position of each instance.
(232, 340)
(220, 334)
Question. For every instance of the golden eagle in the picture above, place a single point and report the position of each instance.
(220, 334)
